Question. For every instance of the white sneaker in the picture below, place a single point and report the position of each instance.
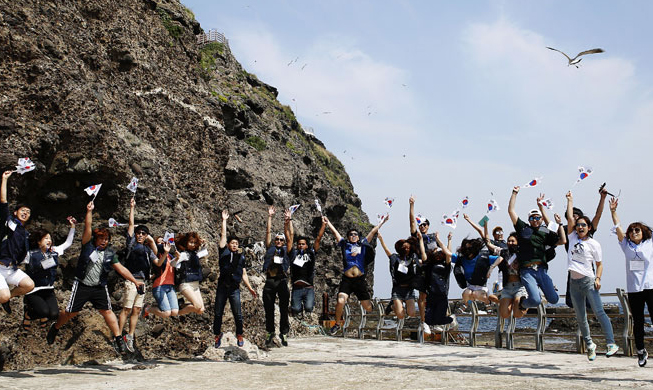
(591, 352)
(426, 328)
(611, 350)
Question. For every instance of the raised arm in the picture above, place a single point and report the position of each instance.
(571, 224)
(163, 255)
(385, 248)
(268, 231)
(599, 209)
(562, 237)
(3, 187)
(446, 250)
(411, 215)
(88, 221)
(475, 226)
(69, 239)
(614, 202)
(149, 241)
(130, 228)
(333, 230)
(375, 229)
(288, 229)
(223, 229)
(422, 258)
(318, 239)
(511, 205)
(449, 240)
(494, 265)
(542, 209)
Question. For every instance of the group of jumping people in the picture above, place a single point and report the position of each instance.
(420, 262)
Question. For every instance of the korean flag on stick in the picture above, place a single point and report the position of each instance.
(114, 223)
(25, 165)
(169, 238)
(532, 183)
(93, 190)
(492, 206)
(317, 206)
(389, 202)
(380, 218)
(133, 185)
(450, 220)
(548, 203)
(293, 208)
(583, 173)
(465, 202)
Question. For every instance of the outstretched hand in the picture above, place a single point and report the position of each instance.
(132, 203)
(271, 211)
(90, 206)
(569, 195)
(614, 202)
(516, 189)
(225, 215)
(6, 174)
(287, 215)
(557, 218)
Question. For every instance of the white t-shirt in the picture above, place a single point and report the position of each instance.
(639, 272)
(582, 254)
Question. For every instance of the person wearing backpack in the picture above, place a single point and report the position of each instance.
(140, 253)
(357, 254)
(188, 270)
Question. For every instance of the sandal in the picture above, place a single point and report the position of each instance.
(27, 322)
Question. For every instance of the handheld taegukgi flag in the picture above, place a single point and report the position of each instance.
(389, 202)
(169, 238)
(583, 173)
(380, 218)
(317, 206)
(465, 202)
(293, 208)
(25, 165)
(492, 206)
(450, 220)
(419, 218)
(114, 223)
(93, 190)
(133, 185)
(548, 203)
(532, 183)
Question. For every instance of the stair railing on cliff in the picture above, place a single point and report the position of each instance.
(212, 36)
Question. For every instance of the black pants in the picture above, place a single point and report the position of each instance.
(42, 304)
(436, 310)
(637, 301)
(272, 288)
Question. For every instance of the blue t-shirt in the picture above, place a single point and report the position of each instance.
(354, 254)
(469, 265)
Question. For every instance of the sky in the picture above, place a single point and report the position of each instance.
(447, 100)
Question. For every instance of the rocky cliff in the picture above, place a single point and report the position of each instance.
(98, 91)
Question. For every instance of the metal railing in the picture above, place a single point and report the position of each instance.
(212, 36)
(358, 321)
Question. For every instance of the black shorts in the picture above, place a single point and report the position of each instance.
(81, 293)
(356, 285)
(419, 283)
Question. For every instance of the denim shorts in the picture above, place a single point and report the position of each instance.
(166, 297)
(403, 293)
(513, 290)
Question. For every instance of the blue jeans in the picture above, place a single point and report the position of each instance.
(581, 289)
(222, 293)
(166, 297)
(531, 279)
(302, 298)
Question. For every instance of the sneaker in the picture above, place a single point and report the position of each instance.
(269, 340)
(7, 307)
(119, 345)
(521, 303)
(240, 341)
(426, 328)
(642, 355)
(612, 349)
(218, 341)
(52, 334)
(129, 342)
(284, 340)
(591, 352)
(334, 329)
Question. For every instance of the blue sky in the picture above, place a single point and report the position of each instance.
(444, 100)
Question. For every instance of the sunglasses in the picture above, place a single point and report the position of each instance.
(581, 224)
(636, 230)
(534, 218)
(141, 233)
(279, 239)
(353, 234)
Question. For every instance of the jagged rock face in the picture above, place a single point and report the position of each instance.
(99, 91)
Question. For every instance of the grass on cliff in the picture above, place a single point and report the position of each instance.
(256, 142)
(331, 166)
(207, 58)
(174, 29)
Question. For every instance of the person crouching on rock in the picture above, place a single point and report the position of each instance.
(95, 261)
(276, 265)
(41, 262)
(141, 253)
(357, 253)
(188, 270)
(232, 272)
(302, 271)
(403, 266)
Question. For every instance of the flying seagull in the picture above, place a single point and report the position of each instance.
(574, 61)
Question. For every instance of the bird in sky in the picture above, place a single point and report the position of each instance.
(304, 66)
(574, 61)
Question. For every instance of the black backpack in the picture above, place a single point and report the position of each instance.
(459, 274)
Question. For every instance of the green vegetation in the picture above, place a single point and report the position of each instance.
(358, 218)
(189, 14)
(256, 142)
(174, 29)
(207, 58)
(332, 168)
(223, 99)
(290, 146)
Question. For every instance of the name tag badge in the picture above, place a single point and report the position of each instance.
(637, 265)
(95, 257)
(183, 256)
(402, 268)
(299, 261)
(355, 250)
(278, 260)
(48, 263)
(203, 253)
(11, 225)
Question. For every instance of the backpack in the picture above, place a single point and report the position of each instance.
(459, 274)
